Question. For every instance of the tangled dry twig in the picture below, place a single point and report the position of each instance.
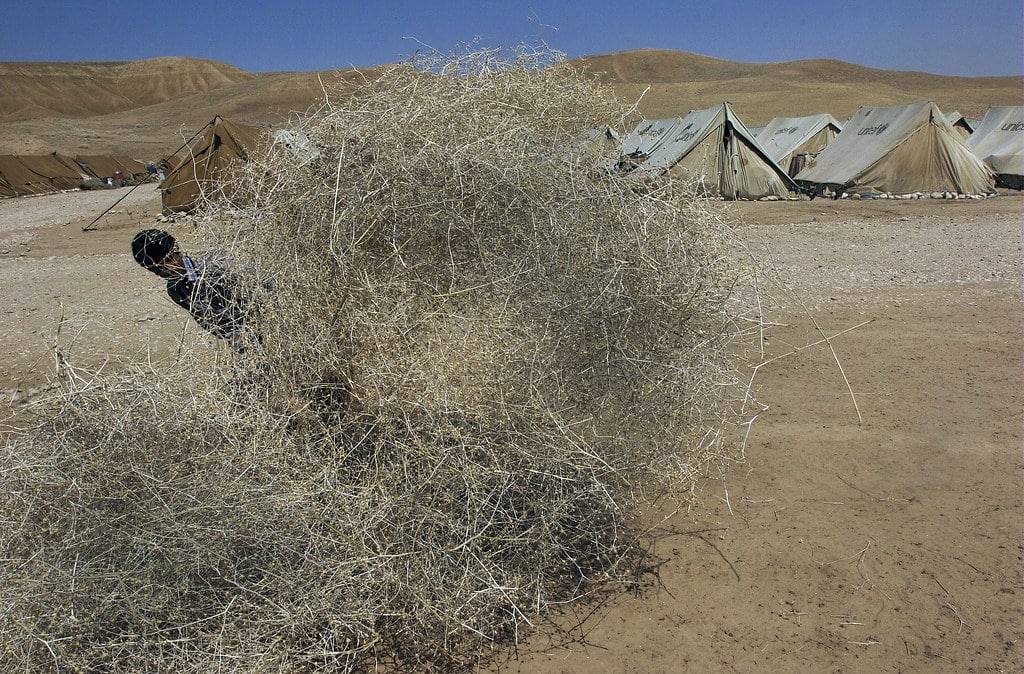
(480, 355)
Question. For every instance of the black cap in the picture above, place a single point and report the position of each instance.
(150, 246)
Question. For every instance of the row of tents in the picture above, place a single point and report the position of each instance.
(198, 168)
(889, 150)
(895, 150)
(199, 165)
(22, 175)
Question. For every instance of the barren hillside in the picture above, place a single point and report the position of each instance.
(75, 90)
(679, 82)
(146, 108)
(157, 130)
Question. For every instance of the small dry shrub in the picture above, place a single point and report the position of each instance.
(480, 355)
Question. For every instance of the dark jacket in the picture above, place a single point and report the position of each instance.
(211, 292)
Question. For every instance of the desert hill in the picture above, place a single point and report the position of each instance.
(146, 108)
(680, 82)
(156, 130)
(75, 90)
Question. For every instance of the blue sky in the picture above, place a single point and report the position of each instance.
(949, 38)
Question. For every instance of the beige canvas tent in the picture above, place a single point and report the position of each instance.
(200, 168)
(639, 143)
(714, 151)
(794, 142)
(898, 150)
(6, 188)
(999, 142)
(960, 123)
(73, 166)
(17, 179)
(599, 147)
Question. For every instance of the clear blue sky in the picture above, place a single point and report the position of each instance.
(980, 37)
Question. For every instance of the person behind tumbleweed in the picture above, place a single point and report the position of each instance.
(209, 287)
(212, 288)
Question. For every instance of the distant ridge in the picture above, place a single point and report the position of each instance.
(75, 90)
(144, 108)
(681, 81)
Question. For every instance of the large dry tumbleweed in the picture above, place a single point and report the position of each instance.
(480, 354)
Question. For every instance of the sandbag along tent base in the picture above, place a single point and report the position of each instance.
(898, 150)
(198, 170)
(713, 150)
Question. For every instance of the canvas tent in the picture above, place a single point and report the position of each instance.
(645, 137)
(599, 146)
(105, 166)
(998, 141)
(6, 189)
(17, 179)
(37, 174)
(960, 123)
(794, 142)
(72, 166)
(639, 143)
(898, 150)
(713, 149)
(200, 168)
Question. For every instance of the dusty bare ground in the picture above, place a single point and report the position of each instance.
(874, 532)
(876, 524)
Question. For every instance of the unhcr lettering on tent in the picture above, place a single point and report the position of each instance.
(999, 143)
(711, 151)
(786, 138)
(873, 130)
(902, 150)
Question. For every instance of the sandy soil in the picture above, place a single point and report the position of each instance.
(875, 525)
(59, 281)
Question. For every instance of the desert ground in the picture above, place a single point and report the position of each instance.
(875, 521)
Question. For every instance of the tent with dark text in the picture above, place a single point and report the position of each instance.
(713, 150)
(898, 150)
(794, 142)
(641, 141)
(999, 142)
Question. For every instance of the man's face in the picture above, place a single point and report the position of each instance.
(171, 266)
